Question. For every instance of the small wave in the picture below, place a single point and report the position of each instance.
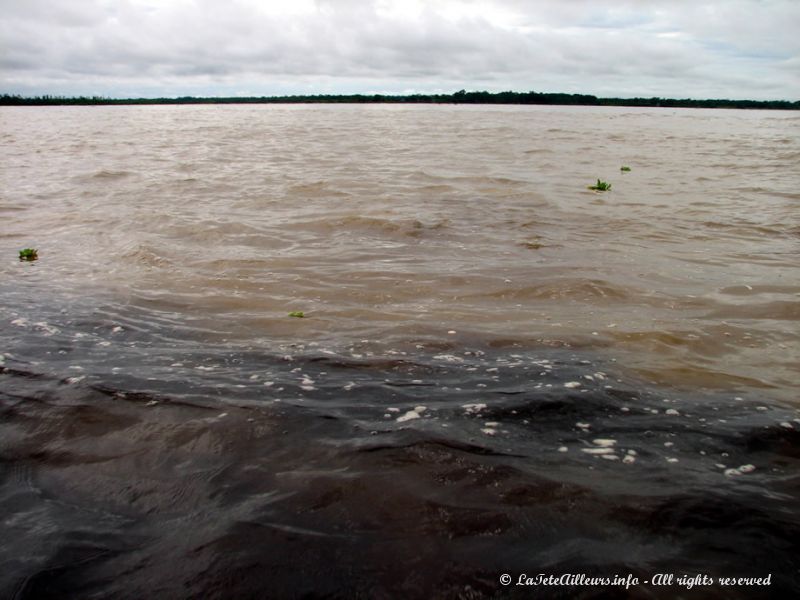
(747, 290)
(779, 194)
(144, 255)
(317, 189)
(440, 188)
(573, 289)
(370, 225)
(780, 311)
(746, 228)
(219, 231)
(790, 157)
(694, 376)
(468, 181)
(111, 174)
(12, 209)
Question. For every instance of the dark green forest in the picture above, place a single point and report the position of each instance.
(460, 97)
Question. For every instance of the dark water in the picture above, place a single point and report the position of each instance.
(499, 371)
(298, 472)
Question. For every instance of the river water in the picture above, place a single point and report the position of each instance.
(498, 370)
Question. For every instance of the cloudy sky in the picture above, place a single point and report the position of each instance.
(670, 48)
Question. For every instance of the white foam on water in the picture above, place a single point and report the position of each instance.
(416, 413)
(449, 358)
(408, 416)
(599, 451)
(604, 443)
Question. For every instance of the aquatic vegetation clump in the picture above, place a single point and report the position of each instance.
(624, 169)
(297, 313)
(601, 186)
(28, 254)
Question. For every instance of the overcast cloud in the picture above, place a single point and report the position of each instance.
(675, 48)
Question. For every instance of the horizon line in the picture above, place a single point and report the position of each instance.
(460, 97)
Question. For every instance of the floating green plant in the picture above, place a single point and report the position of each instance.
(533, 245)
(624, 169)
(600, 186)
(28, 254)
(297, 313)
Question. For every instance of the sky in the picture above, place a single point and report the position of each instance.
(152, 48)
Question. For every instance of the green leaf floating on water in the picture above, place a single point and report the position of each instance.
(601, 186)
(297, 313)
(28, 254)
(624, 168)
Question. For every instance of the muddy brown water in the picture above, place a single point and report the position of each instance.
(498, 370)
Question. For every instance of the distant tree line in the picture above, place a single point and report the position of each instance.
(460, 97)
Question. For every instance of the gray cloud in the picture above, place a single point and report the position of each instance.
(725, 48)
